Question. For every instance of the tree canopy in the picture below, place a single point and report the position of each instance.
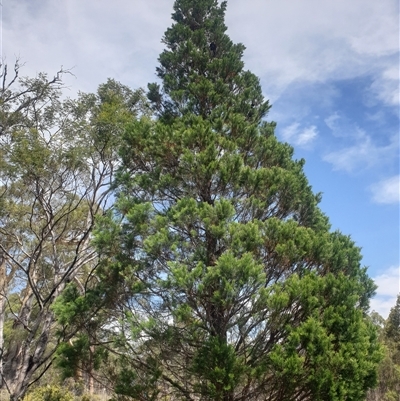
(175, 239)
(58, 160)
(240, 291)
(388, 387)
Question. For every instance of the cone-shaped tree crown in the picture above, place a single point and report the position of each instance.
(250, 297)
(202, 69)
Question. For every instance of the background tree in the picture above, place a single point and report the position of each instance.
(88, 314)
(239, 291)
(392, 326)
(15, 107)
(388, 388)
(58, 162)
(20, 96)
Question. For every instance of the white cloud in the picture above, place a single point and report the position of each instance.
(386, 191)
(298, 136)
(380, 31)
(287, 40)
(342, 127)
(385, 87)
(332, 120)
(99, 40)
(316, 41)
(363, 154)
(388, 289)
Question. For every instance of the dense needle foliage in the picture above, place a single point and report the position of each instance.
(238, 288)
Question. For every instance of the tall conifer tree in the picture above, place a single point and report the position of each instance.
(241, 290)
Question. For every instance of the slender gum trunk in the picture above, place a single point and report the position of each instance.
(2, 311)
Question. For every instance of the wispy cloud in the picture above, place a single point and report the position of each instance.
(299, 136)
(98, 39)
(388, 289)
(337, 40)
(343, 127)
(361, 155)
(332, 121)
(386, 191)
(385, 87)
(285, 42)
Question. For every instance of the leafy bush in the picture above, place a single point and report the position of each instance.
(49, 393)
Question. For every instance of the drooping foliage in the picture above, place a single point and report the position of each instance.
(57, 162)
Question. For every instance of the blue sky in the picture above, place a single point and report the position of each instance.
(329, 68)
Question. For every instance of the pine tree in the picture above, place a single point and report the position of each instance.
(241, 292)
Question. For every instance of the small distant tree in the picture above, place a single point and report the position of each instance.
(388, 387)
(239, 290)
(392, 326)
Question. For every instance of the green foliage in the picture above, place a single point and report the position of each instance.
(244, 292)
(135, 386)
(78, 355)
(217, 363)
(89, 397)
(56, 392)
(392, 326)
(58, 158)
(388, 386)
(215, 275)
(49, 393)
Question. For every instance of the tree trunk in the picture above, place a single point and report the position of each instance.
(24, 359)
(2, 311)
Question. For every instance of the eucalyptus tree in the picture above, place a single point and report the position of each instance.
(388, 387)
(59, 158)
(20, 96)
(239, 290)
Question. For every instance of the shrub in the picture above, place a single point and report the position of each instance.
(49, 393)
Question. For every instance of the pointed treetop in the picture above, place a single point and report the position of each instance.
(196, 13)
(201, 69)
